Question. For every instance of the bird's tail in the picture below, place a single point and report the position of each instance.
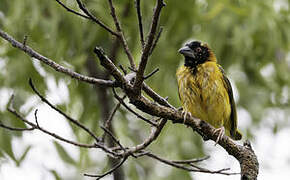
(237, 135)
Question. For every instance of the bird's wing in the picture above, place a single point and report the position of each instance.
(233, 116)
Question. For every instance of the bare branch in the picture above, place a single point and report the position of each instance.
(71, 10)
(62, 113)
(16, 129)
(151, 74)
(188, 161)
(156, 97)
(107, 123)
(35, 126)
(53, 64)
(131, 110)
(139, 15)
(94, 19)
(121, 37)
(113, 137)
(148, 46)
(177, 165)
(110, 171)
(154, 134)
(156, 40)
(110, 66)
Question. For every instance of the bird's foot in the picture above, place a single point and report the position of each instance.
(185, 113)
(221, 133)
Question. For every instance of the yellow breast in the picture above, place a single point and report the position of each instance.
(203, 94)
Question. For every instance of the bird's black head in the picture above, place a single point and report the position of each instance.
(195, 53)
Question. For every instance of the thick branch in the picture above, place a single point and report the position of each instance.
(53, 64)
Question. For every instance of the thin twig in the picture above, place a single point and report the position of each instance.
(110, 171)
(25, 40)
(139, 16)
(168, 162)
(156, 40)
(35, 126)
(188, 161)
(107, 123)
(132, 111)
(53, 64)
(16, 129)
(71, 10)
(123, 69)
(121, 35)
(113, 137)
(153, 135)
(94, 19)
(152, 73)
(36, 118)
(148, 46)
(62, 113)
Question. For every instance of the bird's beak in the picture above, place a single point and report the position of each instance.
(186, 51)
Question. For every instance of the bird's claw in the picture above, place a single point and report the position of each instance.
(185, 113)
(221, 133)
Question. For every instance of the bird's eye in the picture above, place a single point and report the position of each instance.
(198, 49)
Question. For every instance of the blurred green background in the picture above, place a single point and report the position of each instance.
(251, 40)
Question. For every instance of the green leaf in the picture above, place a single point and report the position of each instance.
(63, 154)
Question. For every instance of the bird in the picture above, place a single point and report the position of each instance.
(205, 91)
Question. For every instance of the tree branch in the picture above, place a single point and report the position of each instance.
(15, 129)
(53, 64)
(62, 113)
(139, 16)
(94, 19)
(110, 171)
(121, 37)
(71, 10)
(148, 46)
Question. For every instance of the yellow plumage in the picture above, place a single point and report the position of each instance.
(206, 93)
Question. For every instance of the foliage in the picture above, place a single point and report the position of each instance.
(250, 38)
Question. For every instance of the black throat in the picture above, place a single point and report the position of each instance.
(190, 62)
